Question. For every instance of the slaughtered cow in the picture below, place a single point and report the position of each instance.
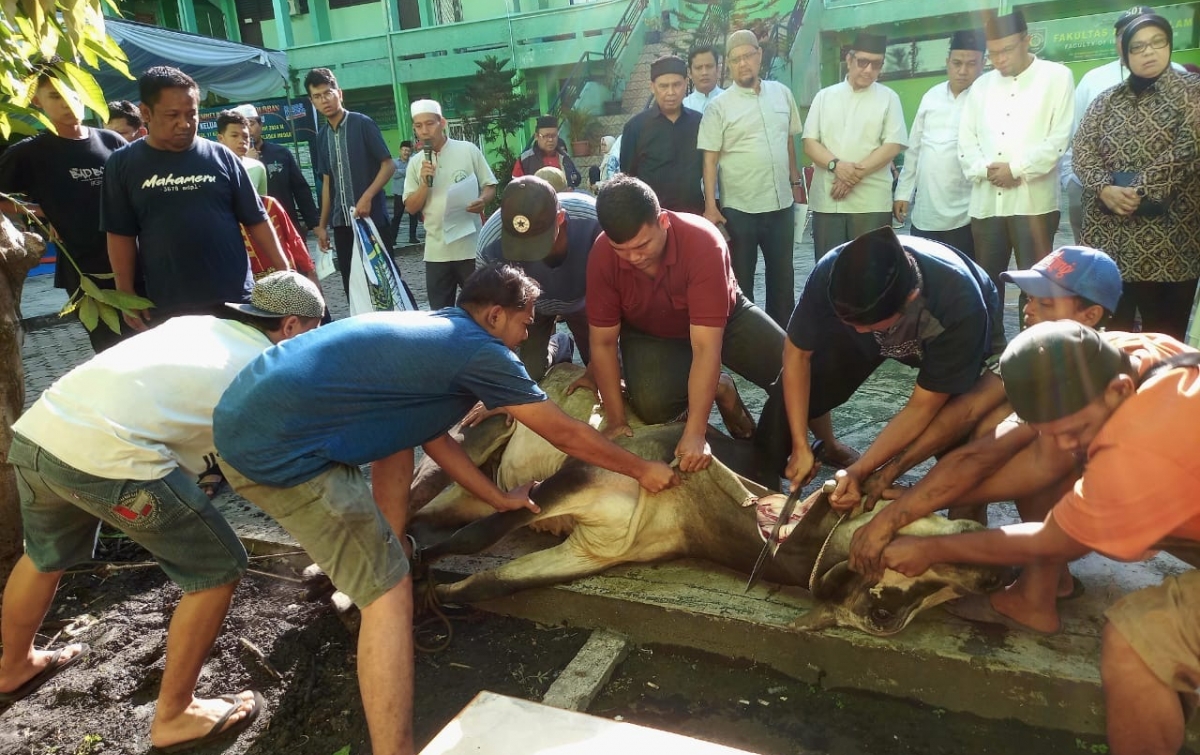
(715, 515)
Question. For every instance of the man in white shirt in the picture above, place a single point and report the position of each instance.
(854, 130)
(931, 166)
(1014, 130)
(450, 238)
(748, 130)
(704, 73)
(1090, 86)
(122, 439)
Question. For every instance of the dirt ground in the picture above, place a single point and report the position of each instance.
(104, 706)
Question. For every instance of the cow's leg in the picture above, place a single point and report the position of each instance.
(478, 535)
(562, 563)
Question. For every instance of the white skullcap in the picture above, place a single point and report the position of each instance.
(247, 110)
(421, 107)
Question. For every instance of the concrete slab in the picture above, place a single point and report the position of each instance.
(498, 725)
(585, 676)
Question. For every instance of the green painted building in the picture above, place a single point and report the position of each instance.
(386, 53)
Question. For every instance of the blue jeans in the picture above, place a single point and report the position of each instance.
(61, 508)
(773, 232)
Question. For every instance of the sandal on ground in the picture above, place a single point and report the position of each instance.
(56, 665)
(978, 609)
(219, 730)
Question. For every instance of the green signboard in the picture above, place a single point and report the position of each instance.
(1090, 37)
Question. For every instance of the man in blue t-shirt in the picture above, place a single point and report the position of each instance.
(297, 422)
(549, 236)
(877, 297)
(172, 205)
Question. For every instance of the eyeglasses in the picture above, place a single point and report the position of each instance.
(1137, 48)
(863, 63)
(322, 96)
(743, 58)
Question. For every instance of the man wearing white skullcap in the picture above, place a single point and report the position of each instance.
(450, 238)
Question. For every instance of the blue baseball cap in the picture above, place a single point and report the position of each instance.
(1072, 271)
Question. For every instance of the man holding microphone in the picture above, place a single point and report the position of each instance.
(450, 234)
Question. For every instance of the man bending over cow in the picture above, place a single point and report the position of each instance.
(660, 284)
(1138, 489)
(296, 424)
(880, 296)
(122, 439)
(1006, 459)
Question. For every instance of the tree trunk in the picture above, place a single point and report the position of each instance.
(19, 253)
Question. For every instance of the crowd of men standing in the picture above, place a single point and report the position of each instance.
(654, 278)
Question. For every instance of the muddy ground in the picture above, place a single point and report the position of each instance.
(104, 706)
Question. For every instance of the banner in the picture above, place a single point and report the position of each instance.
(279, 120)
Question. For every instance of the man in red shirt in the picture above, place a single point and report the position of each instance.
(1138, 492)
(547, 151)
(660, 284)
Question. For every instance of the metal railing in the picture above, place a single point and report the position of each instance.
(617, 42)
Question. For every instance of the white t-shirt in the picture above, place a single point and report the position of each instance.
(852, 125)
(1025, 121)
(454, 162)
(751, 131)
(931, 167)
(142, 408)
(698, 101)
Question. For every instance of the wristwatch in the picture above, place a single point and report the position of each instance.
(833, 164)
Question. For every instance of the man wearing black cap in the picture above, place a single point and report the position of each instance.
(748, 131)
(1090, 86)
(1137, 494)
(931, 167)
(854, 130)
(1014, 129)
(881, 296)
(658, 145)
(547, 150)
(549, 236)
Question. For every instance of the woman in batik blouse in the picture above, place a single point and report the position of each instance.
(1136, 154)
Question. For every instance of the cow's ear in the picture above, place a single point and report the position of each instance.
(820, 616)
(834, 584)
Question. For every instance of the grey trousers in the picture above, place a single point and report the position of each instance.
(959, 238)
(832, 229)
(1075, 209)
(1029, 237)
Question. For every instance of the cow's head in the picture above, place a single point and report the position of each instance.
(846, 598)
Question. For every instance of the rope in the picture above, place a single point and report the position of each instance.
(812, 578)
(429, 602)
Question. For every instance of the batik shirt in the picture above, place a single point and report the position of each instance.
(1155, 135)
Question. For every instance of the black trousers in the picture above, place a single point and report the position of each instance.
(1165, 307)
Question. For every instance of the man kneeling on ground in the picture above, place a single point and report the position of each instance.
(1137, 493)
(296, 424)
(121, 439)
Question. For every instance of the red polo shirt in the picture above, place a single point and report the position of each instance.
(694, 285)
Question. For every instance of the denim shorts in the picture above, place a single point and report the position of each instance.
(334, 518)
(170, 517)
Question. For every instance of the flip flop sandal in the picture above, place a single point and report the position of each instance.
(217, 732)
(978, 609)
(52, 669)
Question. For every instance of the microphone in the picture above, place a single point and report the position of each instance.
(429, 159)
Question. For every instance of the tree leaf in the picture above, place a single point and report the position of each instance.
(111, 317)
(89, 313)
(89, 287)
(123, 301)
(87, 88)
(64, 89)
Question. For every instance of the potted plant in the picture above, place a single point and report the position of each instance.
(582, 126)
(653, 31)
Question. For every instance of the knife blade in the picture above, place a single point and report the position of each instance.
(785, 513)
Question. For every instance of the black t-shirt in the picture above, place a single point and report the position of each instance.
(184, 209)
(664, 155)
(64, 176)
(951, 326)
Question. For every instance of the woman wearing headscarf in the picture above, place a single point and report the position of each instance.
(1136, 155)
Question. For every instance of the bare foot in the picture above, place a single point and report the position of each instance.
(19, 672)
(198, 719)
(1013, 604)
(733, 411)
(838, 455)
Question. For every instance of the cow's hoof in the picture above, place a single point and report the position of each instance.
(347, 612)
(317, 585)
